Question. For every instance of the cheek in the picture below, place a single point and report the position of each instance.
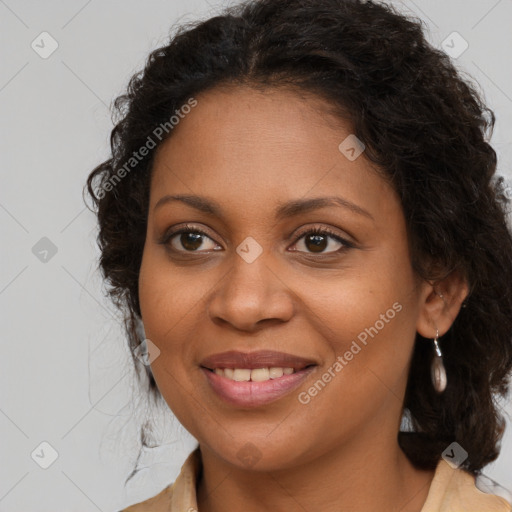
(345, 305)
(370, 334)
(168, 301)
(167, 295)
(369, 319)
(166, 304)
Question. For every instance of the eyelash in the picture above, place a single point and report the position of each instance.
(167, 237)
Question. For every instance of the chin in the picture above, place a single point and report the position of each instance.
(259, 455)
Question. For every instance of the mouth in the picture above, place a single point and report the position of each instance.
(254, 375)
(256, 378)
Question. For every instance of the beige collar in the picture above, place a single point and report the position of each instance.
(451, 490)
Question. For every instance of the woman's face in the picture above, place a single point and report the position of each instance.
(342, 314)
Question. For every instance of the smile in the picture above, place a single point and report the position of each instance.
(255, 379)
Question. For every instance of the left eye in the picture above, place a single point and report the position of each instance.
(317, 240)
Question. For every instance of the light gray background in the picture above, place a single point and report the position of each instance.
(65, 374)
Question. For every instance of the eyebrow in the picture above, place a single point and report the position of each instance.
(284, 210)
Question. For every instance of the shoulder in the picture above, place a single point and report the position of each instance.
(454, 489)
(179, 496)
(160, 502)
(475, 499)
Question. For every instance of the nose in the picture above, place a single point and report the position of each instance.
(251, 296)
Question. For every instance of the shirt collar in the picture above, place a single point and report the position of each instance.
(451, 489)
(183, 497)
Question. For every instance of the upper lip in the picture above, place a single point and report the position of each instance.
(252, 360)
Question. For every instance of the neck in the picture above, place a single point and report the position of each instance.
(372, 474)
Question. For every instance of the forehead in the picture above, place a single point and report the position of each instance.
(251, 148)
(241, 122)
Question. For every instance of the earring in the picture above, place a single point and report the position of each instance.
(437, 370)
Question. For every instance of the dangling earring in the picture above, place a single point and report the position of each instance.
(437, 370)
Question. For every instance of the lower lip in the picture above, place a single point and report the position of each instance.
(254, 394)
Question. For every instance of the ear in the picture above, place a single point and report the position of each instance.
(440, 304)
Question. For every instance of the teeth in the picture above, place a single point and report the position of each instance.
(260, 374)
(275, 373)
(256, 375)
(241, 375)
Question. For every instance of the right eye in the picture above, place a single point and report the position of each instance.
(190, 240)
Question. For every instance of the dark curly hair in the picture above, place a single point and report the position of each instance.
(425, 128)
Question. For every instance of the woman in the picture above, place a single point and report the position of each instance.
(302, 213)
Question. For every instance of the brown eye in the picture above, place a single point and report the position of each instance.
(316, 243)
(318, 240)
(189, 239)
